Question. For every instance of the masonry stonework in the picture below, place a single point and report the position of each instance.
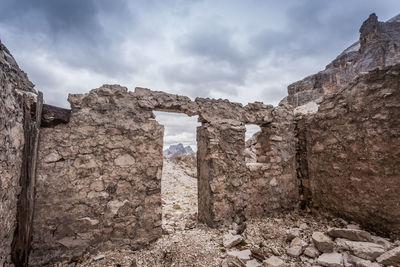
(99, 176)
(352, 149)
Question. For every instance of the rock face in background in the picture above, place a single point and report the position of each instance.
(351, 152)
(15, 90)
(379, 46)
(178, 150)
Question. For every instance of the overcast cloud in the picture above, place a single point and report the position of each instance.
(241, 50)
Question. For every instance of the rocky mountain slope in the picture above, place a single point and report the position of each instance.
(378, 46)
(178, 150)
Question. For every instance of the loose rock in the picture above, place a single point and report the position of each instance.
(274, 261)
(365, 250)
(351, 234)
(390, 257)
(322, 242)
(330, 259)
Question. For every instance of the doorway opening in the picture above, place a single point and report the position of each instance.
(179, 193)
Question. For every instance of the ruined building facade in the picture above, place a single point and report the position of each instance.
(91, 182)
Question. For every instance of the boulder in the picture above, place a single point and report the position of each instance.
(330, 259)
(322, 242)
(351, 234)
(391, 257)
(365, 250)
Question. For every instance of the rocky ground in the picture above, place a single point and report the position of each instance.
(294, 239)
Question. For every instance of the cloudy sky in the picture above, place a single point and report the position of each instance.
(246, 51)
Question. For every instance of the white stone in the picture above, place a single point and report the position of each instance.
(273, 182)
(365, 250)
(114, 205)
(253, 263)
(382, 241)
(230, 240)
(351, 234)
(358, 262)
(124, 160)
(292, 233)
(311, 252)
(52, 157)
(390, 257)
(294, 251)
(330, 259)
(274, 261)
(243, 255)
(322, 242)
(297, 241)
(98, 257)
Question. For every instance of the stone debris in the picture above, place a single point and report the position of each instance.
(292, 233)
(331, 259)
(358, 262)
(311, 252)
(98, 257)
(243, 255)
(322, 242)
(365, 250)
(391, 257)
(274, 261)
(294, 251)
(253, 263)
(350, 234)
(230, 240)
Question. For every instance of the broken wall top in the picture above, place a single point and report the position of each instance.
(143, 101)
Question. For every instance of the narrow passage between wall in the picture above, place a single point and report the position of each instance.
(179, 178)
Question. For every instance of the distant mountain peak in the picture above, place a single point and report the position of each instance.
(178, 150)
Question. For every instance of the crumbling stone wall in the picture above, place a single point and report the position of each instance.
(352, 148)
(15, 89)
(99, 177)
(98, 183)
(273, 187)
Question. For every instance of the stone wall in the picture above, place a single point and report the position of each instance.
(272, 184)
(15, 89)
(98, 184)
(99, 177)
(352, 149)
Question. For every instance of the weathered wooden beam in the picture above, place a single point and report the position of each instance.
(26, 200)
(52, 115)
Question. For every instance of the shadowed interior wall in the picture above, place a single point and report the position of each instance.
(353, 152)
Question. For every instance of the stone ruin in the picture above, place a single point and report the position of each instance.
(89, 178)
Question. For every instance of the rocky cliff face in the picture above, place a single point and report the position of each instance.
(178, 150)
(379, 46)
